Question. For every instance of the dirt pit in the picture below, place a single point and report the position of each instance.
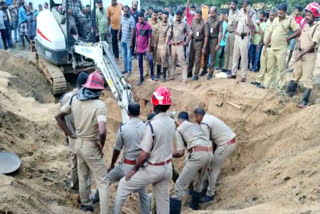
(274, 170)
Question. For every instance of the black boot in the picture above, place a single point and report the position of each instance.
(195, 200)
(164, 75)
(292, 87)
(203, 72)
(189, 75)
(305, 99)
(158, 71)
(175, 206)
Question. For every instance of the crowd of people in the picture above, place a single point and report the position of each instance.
(238, 39)
(18, 23)
(229, 40)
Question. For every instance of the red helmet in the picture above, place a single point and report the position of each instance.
(314, 8)
(95, 81)
(161, 96)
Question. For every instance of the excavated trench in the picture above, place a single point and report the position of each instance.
(274, 167)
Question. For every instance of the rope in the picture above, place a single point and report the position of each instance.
(255, 108)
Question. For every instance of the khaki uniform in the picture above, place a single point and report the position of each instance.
(263, 58)
(192, 136)
(221, 135)
(73, 157)
(213, 28)
(86, 115)
(303, 69)
(196, 46)
(178, 32)
(128, 139)
(278, 51)
(162, 50)
(241, 46)
(158, 171)
(154, 42)
(233, 15)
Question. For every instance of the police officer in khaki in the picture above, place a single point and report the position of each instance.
(213, 28)
(259, 82)
(198, 44)
(128, 138)
(162, 46)
(245, 26)
(224, 140)
(231, 28)
(82, 78)
(178, 32)
(192, 137)
(156, 153)
(154, 22)
(306, 55)
(279, 40)
(89, 114)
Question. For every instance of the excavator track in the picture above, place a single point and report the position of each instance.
(54, 76)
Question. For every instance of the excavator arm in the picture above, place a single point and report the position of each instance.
(105, 61)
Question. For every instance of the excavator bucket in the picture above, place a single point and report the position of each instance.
(9, 162)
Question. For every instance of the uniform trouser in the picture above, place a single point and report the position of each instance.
(115, 46)
(158, 176)
(220, 155)
(178, 58)
(73, 162)
(303, 70)
(211, 50)
(119, 172)
(263, 65)
(229, 51)
(3, 36)
(240, 50)
(127, 56)
(90, 158)
(193, 171)
(154, 61)
(162, 55)
(276, 59)
(195, 57)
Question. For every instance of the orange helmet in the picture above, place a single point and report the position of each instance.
(314, 8)
(161, 96)
(95, 81)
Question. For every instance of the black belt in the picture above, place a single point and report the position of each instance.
(311, 51)
(198, 40)
(213, 38)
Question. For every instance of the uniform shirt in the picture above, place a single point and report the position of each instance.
(213, 27)
(127, 25)
(224, 34)
(143, 34)
(101, 17)
(160, 149)
(86, 115)
(280, 30)
(232, 18)
(242, 20)
(198, 32)
(114, 13)
(65, 100)
(310, 35)
(134, 14)
(163, 33)
(129, 138)
(191, 135)
(179, 31)
(267, 31)
(155, 31)
(216, 130)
